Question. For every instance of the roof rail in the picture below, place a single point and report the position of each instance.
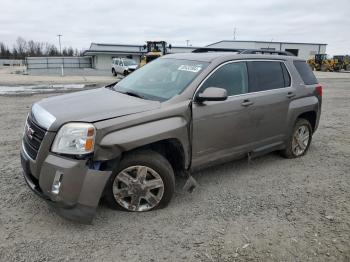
(242, 51)
(214, 49)
(266, 51)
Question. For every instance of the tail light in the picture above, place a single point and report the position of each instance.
(318, 90)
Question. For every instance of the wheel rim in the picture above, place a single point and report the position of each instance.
(300, 141)
(138, 188)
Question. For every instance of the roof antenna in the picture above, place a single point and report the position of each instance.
(234, 33)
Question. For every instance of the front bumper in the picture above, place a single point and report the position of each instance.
(80, 187)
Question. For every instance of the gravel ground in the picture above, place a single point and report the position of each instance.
(272, 209)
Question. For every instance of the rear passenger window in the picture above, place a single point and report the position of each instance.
(305, 72)
(268, 75)
(233, 77)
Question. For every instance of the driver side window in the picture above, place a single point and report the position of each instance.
(233, 77)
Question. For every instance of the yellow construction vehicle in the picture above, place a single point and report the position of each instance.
(342, 62)
(154, 49)
(321, 62)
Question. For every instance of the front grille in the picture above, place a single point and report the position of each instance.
(32, 138)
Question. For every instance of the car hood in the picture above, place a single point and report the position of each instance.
(87, 106)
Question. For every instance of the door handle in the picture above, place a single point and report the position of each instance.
(290, 94)
(247, 102)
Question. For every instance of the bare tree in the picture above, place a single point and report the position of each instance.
(4, 51)
(51, 50)
(22, 48)
(70, 51)
(35, 48)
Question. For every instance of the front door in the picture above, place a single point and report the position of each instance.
(223, 129)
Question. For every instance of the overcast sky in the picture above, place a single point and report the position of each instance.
(202, 22)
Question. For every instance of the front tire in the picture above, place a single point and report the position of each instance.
(143, 181)
(299, 142)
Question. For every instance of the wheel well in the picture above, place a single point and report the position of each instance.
(311, 117)
(172, 150)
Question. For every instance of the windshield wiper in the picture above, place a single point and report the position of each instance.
(131, 93)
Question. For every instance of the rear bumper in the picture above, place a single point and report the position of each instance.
(80, 191)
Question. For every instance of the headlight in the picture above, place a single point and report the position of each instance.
(75, 139)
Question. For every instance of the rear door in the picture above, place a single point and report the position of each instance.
(270, 93)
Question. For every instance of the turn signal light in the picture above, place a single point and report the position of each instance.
(89, 144)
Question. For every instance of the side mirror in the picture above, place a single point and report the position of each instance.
(212, 94)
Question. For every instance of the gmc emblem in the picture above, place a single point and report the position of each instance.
(30, 132)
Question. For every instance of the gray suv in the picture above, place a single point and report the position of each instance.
(126, 142)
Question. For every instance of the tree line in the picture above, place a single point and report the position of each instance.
(23, 48)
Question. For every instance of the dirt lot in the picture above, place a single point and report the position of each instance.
(270, 210)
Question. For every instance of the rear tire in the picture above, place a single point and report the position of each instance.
(299, 141)
(154, 191)
(114, 72)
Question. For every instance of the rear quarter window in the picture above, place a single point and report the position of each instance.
(305, 72)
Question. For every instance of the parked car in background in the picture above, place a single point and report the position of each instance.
(127, 141)
(123, 66)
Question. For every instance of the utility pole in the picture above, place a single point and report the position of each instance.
(234, 33)
(187, 41)
(59, 41)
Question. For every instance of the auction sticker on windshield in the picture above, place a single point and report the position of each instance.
(190, 68)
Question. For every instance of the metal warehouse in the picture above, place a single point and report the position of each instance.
(102, 54)
(303, 50)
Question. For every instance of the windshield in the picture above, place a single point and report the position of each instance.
(161, 79)
(129, 62)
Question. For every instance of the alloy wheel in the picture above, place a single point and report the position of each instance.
(138, 188)
(301, 138)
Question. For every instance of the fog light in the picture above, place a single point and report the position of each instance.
(56, 184)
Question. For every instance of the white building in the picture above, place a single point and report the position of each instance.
(303, 50)
(102, 54)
